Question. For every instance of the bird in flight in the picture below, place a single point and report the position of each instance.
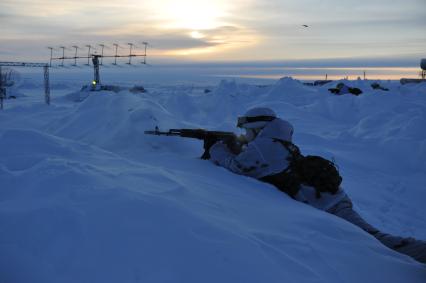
(305, 26)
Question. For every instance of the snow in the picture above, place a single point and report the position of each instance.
(85, 196)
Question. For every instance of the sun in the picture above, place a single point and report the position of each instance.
(196, 34)
(192, 14)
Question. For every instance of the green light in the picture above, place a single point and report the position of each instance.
(93, 82)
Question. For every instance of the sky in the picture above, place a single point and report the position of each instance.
(216, 30)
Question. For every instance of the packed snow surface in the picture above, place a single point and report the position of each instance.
(85, 196)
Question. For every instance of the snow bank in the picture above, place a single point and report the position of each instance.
(86, 197)
(117, 121)
(76, 213)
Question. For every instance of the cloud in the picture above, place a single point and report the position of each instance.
(285, 13)
(237, 29)
(2, 52)
(178, 41)
(5, 16)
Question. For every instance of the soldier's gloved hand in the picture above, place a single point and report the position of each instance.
(219, 152)
(233, 144)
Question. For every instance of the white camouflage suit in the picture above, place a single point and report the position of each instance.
(265, 156)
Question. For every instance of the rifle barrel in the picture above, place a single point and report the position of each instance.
(209, 137)
(158, 133)
(192, 133)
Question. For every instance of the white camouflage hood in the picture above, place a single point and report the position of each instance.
(278, 129)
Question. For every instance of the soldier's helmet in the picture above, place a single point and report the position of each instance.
(256, 118)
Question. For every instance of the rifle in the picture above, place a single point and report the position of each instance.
(233, 142)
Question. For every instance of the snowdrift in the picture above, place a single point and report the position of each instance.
(86, 197)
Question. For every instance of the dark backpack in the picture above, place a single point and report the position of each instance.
(310, 170)
(319, 173)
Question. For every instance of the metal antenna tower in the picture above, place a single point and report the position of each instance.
(95, 60)
(75, 54)
(144, 58)
(102, 53)
(63, 55)
(88, 54)
(116, 53)
(37, 65)
(51, 56)
(130, 53)
(98, 58)
(2, 90)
